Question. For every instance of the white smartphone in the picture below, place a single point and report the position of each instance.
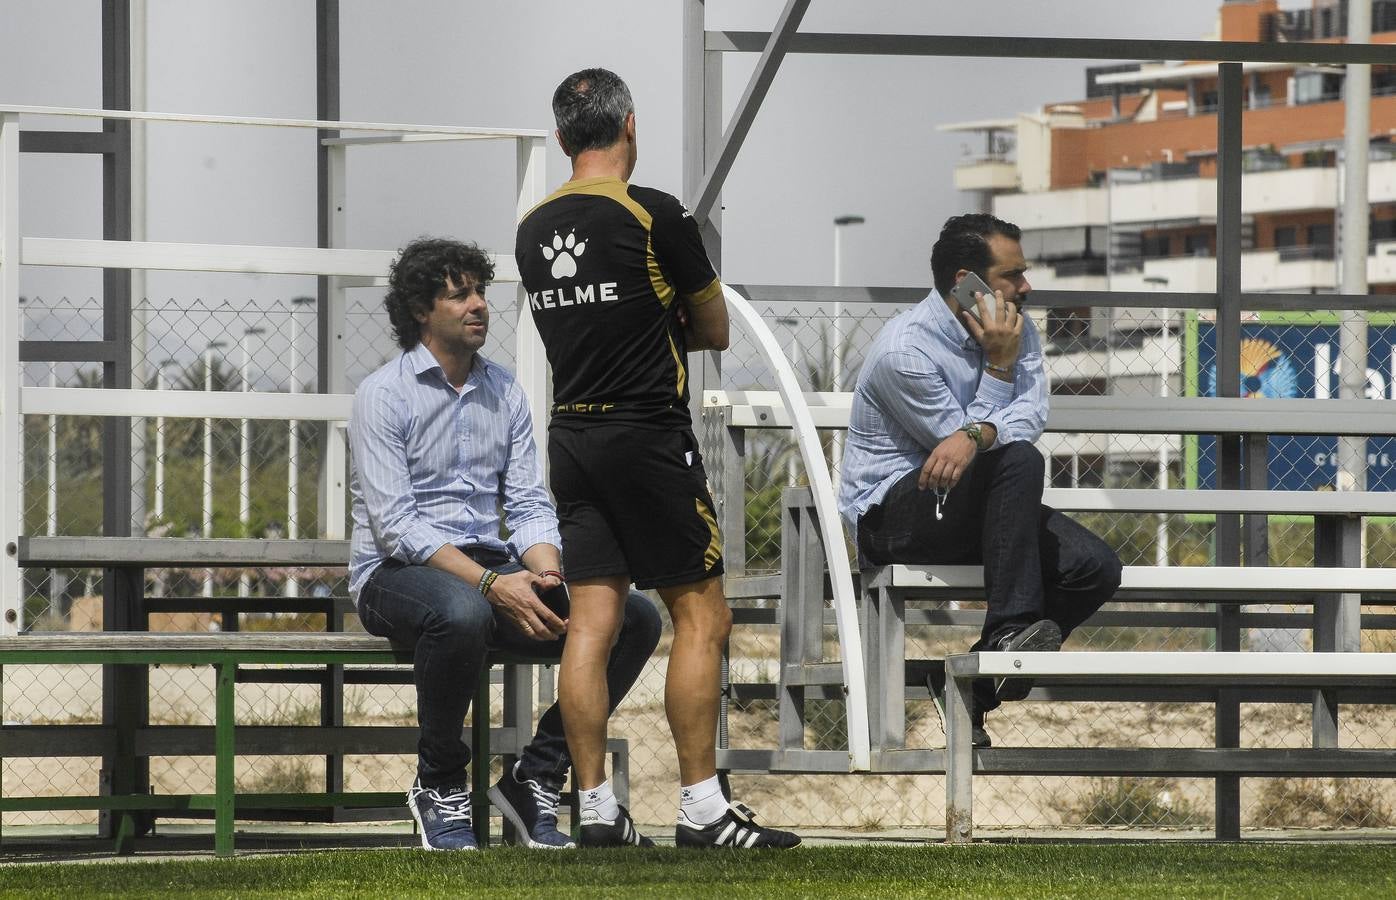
(964, 295)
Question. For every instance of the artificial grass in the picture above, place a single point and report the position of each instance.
(1037, 870)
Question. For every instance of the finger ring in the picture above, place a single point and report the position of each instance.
(528, 628)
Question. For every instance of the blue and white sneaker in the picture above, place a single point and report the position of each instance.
(443, 815)
(531, 807)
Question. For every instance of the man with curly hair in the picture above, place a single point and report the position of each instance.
(442, 440)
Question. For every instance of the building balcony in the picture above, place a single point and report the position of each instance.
(986, 173)
(1300, 269)
(1069, 208)
(1164, 200)
(1159, 201)
(1291, 190)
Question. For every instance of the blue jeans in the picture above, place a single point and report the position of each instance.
(1038, 564)
(451, 627)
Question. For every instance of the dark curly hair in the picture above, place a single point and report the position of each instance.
(418, 275)
(964, 244)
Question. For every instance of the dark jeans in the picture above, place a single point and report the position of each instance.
(1038, 564)
(451, 627)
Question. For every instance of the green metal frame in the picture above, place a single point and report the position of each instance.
(225, 800)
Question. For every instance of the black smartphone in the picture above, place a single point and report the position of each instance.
(558, 600)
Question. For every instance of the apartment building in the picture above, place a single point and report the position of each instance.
(1116, 190)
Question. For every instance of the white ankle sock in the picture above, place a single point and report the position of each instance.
(602, 800)
(703, 803)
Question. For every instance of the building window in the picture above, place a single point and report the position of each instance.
(1317, 87)
(1197, 245)
(1069, 329)
(1078, 470)
(1156, 246)
(1383, 77)
(1286, 236)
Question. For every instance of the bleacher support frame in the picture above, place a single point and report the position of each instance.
(711, 146)
(124, 689)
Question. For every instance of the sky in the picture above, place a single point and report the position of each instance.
(836, 135)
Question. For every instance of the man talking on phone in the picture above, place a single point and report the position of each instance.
(939, 465)
(442, 440)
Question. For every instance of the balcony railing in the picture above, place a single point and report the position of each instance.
(1302, 252)
(982, 159)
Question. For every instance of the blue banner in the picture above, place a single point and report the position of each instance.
(1285, 361)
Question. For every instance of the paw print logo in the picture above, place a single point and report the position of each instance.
(563, 254)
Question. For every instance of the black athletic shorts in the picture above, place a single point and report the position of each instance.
(633, 501)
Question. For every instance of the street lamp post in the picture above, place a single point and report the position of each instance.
(160, 384)
(840, 223)
(1165, 372)
(793, 351)
(293, 448)
(57, 586)
(245, 448)
(208, 460)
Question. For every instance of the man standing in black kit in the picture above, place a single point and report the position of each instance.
(621, 289)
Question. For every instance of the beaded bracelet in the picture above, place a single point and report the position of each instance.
(1002, 370)
(487, 581)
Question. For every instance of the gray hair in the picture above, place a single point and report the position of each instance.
(590, 107)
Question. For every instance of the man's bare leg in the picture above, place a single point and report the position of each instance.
(692, 688)
(597, 609)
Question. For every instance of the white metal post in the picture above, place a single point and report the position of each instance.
(840, 222)
(792, 465)
(160, 384)
(1353, 231)
(52, 529)
(959, 759)
(1165, 371)
(208, 461)
(293, 445)
(11, 430)
(334, 472)
(245, 453)
(530, 364)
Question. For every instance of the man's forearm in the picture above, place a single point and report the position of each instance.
(448, 558)
(542, 557)
(693, 341)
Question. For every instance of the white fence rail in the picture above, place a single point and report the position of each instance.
(343, 267)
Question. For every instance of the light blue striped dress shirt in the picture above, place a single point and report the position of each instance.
(922, 379)
(431, 466)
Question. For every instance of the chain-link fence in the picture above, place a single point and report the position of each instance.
(189, 479)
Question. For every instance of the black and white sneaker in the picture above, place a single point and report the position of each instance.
(617, 832)
(531, 807)
(1042, 635)
(736, 828)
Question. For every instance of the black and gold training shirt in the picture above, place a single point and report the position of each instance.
(603, 262)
